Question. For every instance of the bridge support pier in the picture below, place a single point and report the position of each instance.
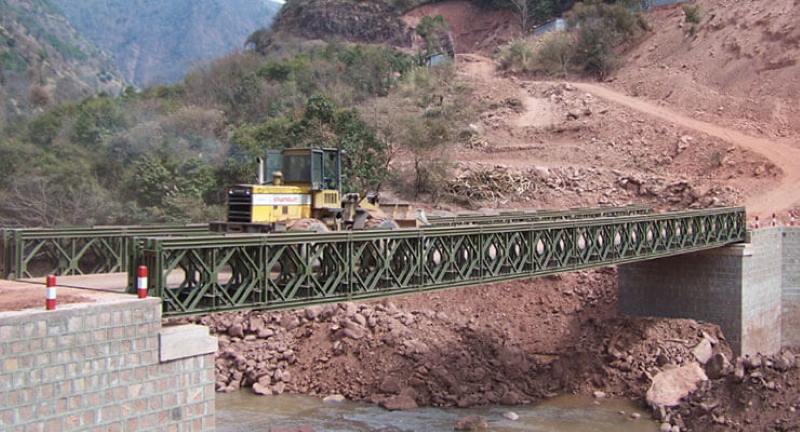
(751, 290)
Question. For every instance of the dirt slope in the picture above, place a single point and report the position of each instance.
(779, 152)
(566, 144)
(474, 29)
(739, 68)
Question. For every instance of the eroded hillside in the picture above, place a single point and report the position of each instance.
(738, 65)
(44, 61)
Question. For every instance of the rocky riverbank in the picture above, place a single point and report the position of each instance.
(509, 343)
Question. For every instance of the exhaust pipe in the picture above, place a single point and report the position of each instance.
(260, 171)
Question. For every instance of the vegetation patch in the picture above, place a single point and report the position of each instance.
(598, 32)
(168, 153)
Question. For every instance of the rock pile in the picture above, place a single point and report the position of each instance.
(443, 352)
(748, 393)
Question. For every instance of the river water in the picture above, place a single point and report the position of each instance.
(244, 412)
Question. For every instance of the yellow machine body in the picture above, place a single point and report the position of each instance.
(300, 189)
(280, 203)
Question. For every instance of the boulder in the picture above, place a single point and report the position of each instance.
(703, 352)
(236, 330)
(400, 402)
(672, 385)
(511, 397)
(784, 362)
(334, 398)
(261, 389)
(472, 423)
(390, 385)
(511, 415)
(265, 332)
(718, 366)
(290, 321)
(313, 312)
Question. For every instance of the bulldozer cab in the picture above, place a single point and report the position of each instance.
(319, 169)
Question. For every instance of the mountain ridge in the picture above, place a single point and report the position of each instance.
(44, 60)
(155, 42)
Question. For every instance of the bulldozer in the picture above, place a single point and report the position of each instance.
(300, 189)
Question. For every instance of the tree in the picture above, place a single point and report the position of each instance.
(523, 10)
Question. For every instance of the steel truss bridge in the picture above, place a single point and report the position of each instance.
(195, 271)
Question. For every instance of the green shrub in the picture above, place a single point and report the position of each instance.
(556, 54)
(692, 13)
(602, 29)
(517, 56)
(594, 52)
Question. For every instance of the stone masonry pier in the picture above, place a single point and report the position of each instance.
(751, 290)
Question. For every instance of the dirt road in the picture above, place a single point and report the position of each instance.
(780, 153)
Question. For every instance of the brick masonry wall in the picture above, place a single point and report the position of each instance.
(790, 319)
(96, 367)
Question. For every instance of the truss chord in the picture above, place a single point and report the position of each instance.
(300, 269)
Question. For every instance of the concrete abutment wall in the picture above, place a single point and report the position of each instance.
(104, 367)
(752, 290)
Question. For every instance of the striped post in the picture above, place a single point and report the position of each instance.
(757, 227)
(141, 282)
(50, 299)
(774, 220)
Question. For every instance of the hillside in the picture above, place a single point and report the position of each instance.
(474, 23)
(355, 21)
(156, 42)
(44, 61)
(739, 65)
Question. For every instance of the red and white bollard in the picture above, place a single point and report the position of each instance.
(774, 220)
(141, 282)
(50, 298)
(756, 223)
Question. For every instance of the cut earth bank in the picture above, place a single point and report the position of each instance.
(510, 343)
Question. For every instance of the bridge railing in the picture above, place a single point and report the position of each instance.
(539, 215)
(32, 252)
(202, 274)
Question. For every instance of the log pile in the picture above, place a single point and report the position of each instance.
(496, 183)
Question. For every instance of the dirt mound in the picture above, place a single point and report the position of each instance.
(738, 66)
(457, 348)
(758, 393)
(474, 29)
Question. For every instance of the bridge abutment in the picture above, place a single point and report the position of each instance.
(751, 290)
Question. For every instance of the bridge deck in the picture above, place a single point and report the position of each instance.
(196, 272)
(217, 273)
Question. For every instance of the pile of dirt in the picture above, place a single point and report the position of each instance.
(751, 393)
(456, 348)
